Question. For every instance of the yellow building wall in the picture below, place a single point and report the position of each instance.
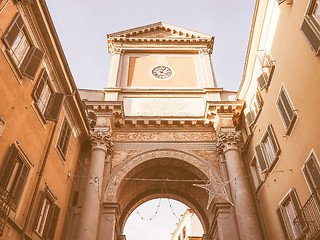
(298, 69)
(24, 124)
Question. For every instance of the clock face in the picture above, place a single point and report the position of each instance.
(162, 72)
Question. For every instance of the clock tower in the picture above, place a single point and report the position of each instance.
(159, 126)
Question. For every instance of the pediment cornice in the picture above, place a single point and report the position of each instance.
(159, 35)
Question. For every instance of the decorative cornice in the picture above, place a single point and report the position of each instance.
(101, 140)
(227, 140)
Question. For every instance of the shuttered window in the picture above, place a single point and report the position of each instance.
(286, 110)
(64, 138)
(254, 108)
(288, 210)
(312, 172)
(42, 91)
(256, 172)
(266, 68)
(26, 57)
(54, 106)
(268, 150)
(47, 217)
(14, 175)
(311, 26)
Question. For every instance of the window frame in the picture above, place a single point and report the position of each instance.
(47, 215)
(287, 223)
(43, 79)
(31, 58)
(310, 28)
(256, 173)
(254, 108)
(261, 151)
(293, 119)
(63, 142)
(6, 174)
(266, 68)
(306, 172)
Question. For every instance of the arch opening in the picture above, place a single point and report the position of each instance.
(162, 219)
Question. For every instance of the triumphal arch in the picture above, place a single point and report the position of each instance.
(161, 128)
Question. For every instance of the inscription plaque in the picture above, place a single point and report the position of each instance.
(176, 107)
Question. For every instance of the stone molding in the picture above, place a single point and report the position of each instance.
(227, 140)
(123, 169)
(164, 136)
(101, 140)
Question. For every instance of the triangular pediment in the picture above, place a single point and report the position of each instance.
(160, 30)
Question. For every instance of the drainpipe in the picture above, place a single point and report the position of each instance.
(38, 182)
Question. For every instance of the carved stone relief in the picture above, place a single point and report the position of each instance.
(163, 136)
(210, 156)
(119, 175)
(119, 156)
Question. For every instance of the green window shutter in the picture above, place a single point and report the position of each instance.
(283, 112)
(286, 104)
(284, 221)
(261, 157)
(297, 206)
(259, 99)
(13, 31)
(311, 34)
(275, 144)
(262, 83)
(40, 204)
(249, 117)
(312, 172)
(53, 222)
(7, 170)
(32, 62)
(43, 78)
(54, 106)
(21, 180)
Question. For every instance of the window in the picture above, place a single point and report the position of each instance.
(311, 26)
(268, 150)
(312, 172)
(14, 175)
(184, 232)
(267, 68)
(254, 108)
(26, 57)
(288, 210)
(286, 110)
(42, 91)
(256, 172)
(64, 138)
(47, 216)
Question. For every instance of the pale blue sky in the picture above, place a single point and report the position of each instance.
(82, 27)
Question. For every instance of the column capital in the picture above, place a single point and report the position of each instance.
(101, 140)
(227, 140)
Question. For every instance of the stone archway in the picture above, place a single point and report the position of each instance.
(145, 176)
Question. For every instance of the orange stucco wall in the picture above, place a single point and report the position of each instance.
(140, 67)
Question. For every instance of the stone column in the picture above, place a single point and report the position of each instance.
(109, 229)
(90, 210)
(227, 145)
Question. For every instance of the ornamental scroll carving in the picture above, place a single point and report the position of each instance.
(227, 140)
(164, 136)
(102, 140)
(210, 156)
(122, 170)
